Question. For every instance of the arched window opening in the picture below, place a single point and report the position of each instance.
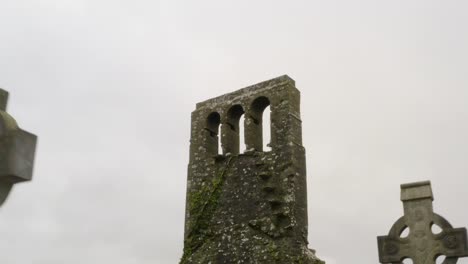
(231, 129)
(212, 129)
(266, 129)
(257, 130)
(242, 147)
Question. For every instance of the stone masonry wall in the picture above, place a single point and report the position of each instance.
(247, 207)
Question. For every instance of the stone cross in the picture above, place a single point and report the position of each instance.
(422, 245)
(17, 149)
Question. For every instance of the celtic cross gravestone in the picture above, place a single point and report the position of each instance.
(422, 245)
(17, 149)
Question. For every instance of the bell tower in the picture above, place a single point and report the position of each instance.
(248, 207)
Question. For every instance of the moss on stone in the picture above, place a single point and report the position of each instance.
(202, 205)
(253, 208)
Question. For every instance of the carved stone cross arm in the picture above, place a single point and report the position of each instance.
(17, 149)
(421, 244)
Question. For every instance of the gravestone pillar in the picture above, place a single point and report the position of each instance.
(421, 244)
(17, 149)
(247, 206)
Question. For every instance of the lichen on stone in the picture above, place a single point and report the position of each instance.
(247, 207)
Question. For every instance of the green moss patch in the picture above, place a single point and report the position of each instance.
(202, 206)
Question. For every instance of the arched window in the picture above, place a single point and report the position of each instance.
(242, 146)
(256, 126)
(212, 139)
(266, 128)
(231, 130)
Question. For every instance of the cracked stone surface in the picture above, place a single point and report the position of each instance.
(248, 207)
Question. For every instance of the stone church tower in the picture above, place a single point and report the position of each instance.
(248, 207)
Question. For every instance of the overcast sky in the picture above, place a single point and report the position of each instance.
(108, 86)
